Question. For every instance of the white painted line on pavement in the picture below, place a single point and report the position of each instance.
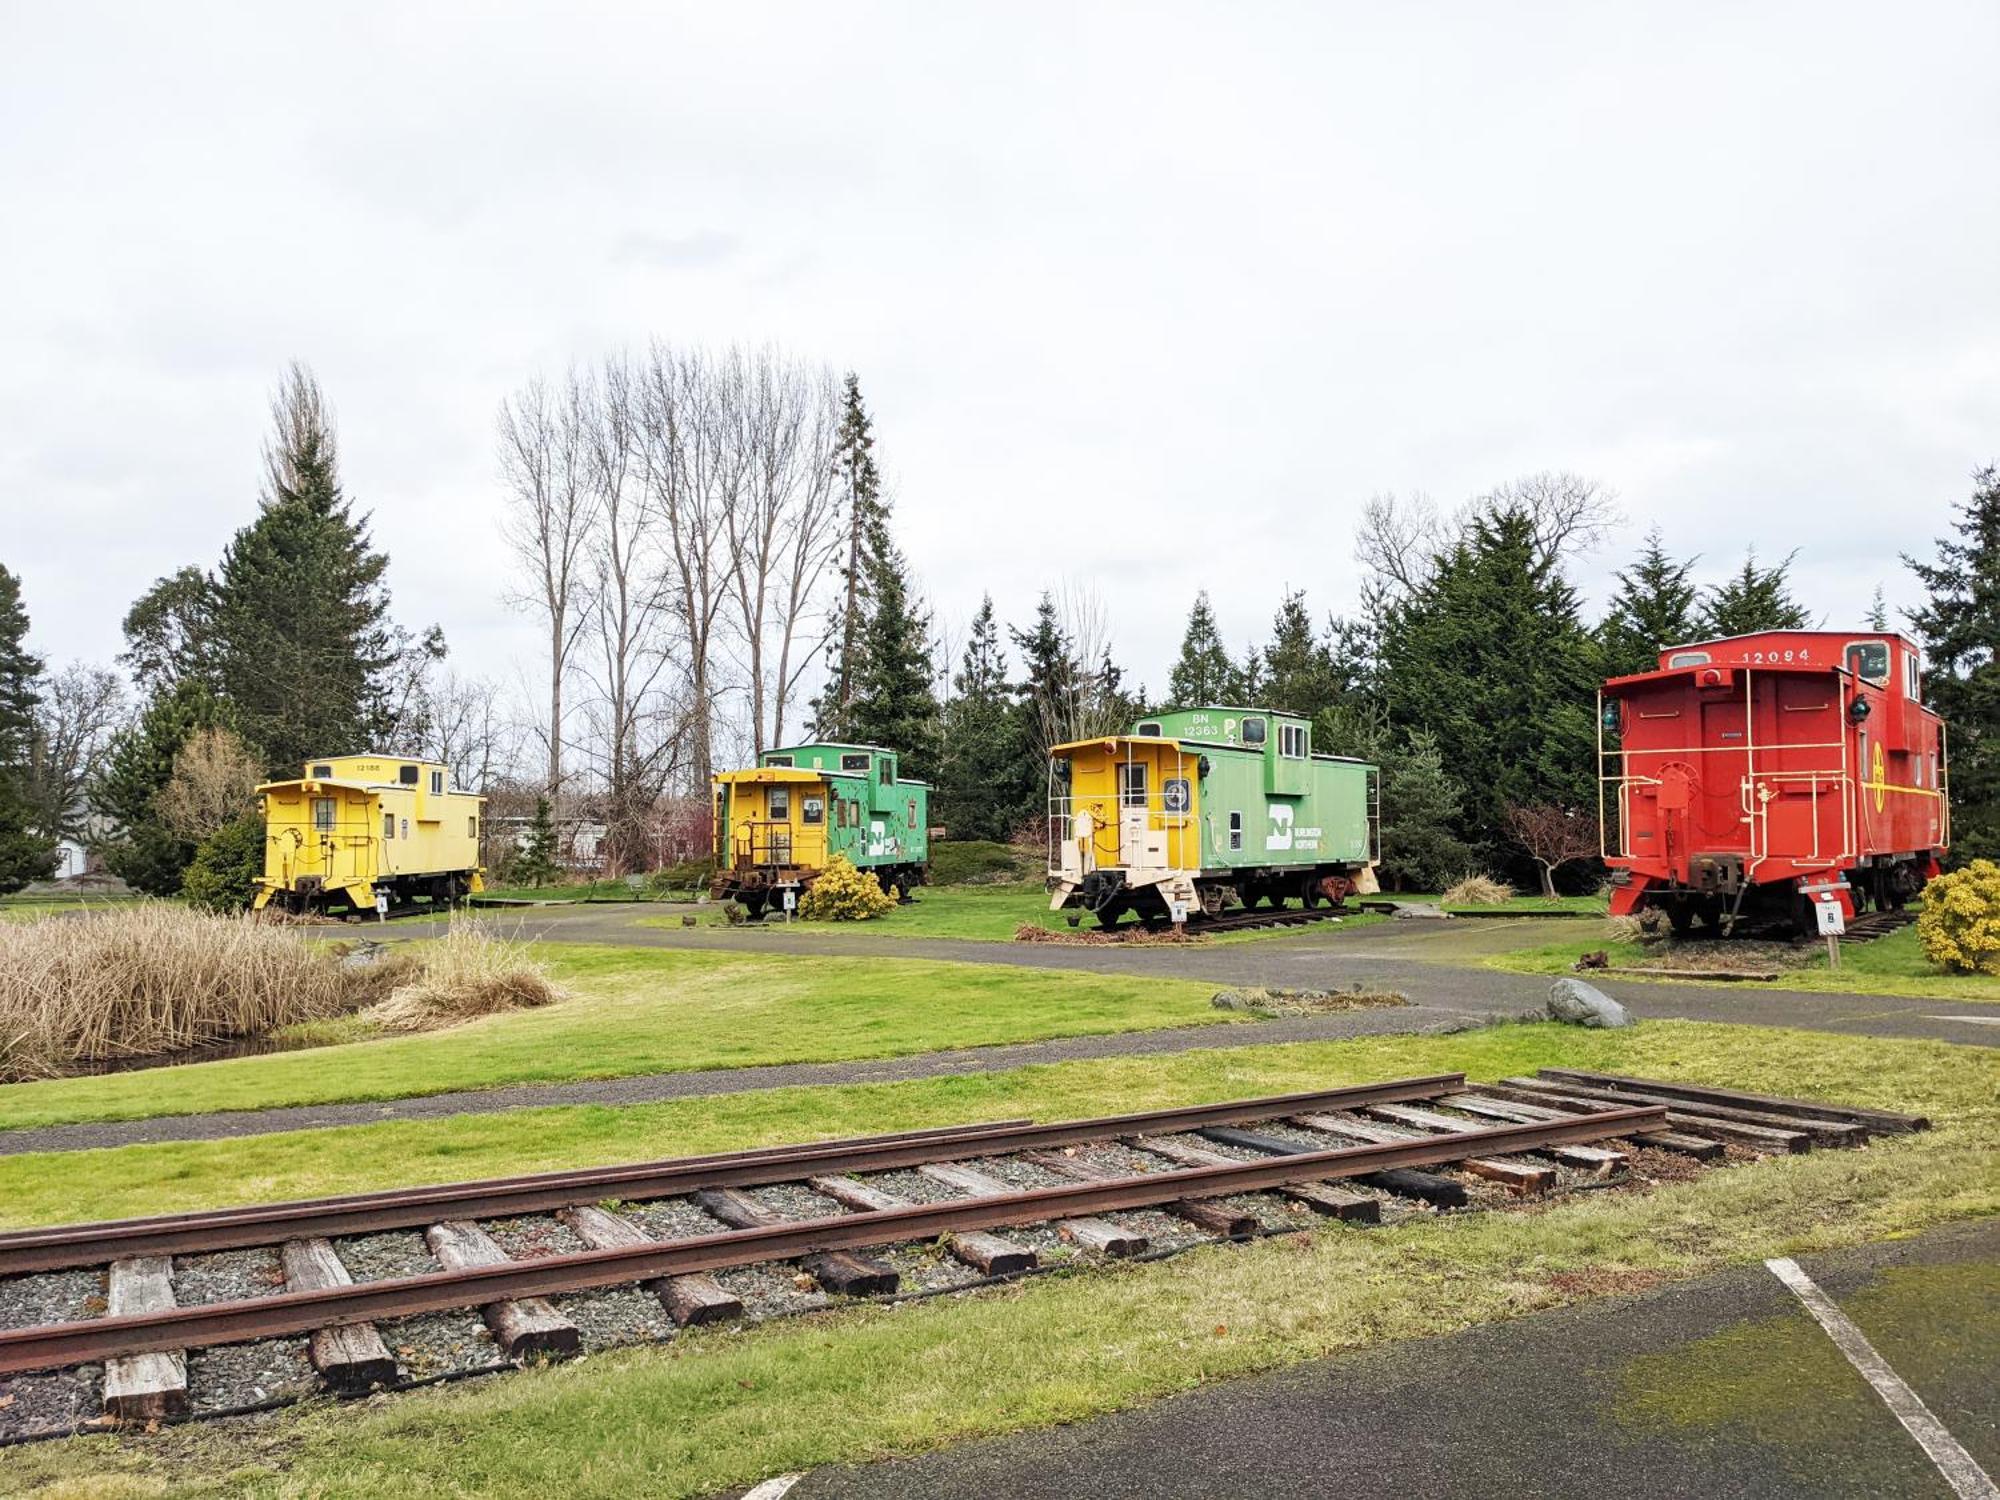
(1967, 1480)
(773, 1489)
(1975, 1020)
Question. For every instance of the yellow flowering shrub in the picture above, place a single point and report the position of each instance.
(845, 894)
(1960, 923)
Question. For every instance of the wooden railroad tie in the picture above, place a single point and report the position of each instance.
(1204, 1213)
(1320, 1197)
(1823, 1132)
(842, 1273)
(144, 1387)
(350, 1357)
(1101, 1235)
(1885, 1120)
(689, 1300)
(525, 1329)
(988, 1253)
(1406, 1182)
(1699, 1147)
(1781, 1139)
(1509, 1171)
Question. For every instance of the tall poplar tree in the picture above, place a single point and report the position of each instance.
(1656, 607)
(1959, 626)
(24, 854)
(1204, 673)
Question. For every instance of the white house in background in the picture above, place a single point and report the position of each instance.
(72, 859)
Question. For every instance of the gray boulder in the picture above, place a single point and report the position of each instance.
(1581, 1004)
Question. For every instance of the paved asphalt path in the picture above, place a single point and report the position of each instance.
(1435, 964)
(1535, 1407)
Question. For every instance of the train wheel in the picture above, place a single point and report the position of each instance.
(1681, 915)
(1109, 914)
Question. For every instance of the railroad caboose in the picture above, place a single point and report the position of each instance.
(1205, 808)
(1746, 777)
(778, 823)
(356, 825)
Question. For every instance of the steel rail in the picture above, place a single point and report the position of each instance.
(62, 1344)
(267, 1224)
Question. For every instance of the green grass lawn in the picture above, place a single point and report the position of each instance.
(647, 1011)
(1892, 965)
(728, 1407)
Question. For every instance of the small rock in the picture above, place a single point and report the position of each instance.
(1581, 1004)
(1424, 911)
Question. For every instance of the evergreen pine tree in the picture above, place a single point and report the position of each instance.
(1204, 674)
(143, 851)
(1049, 686)
(1959, 626)
(981, 783)
(1420, 806)
(895, 700)
(867, 538)
(1299, 670)
(301, 640)
(535, 865)
(1752, 600)
(1489, 656)
(1655, 608)
(24, 854)
(1878, 610)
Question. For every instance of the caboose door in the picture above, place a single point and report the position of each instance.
(1725, 774)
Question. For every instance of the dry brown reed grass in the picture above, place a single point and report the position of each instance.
(153, 978)
(1478, 890)
(472, 971)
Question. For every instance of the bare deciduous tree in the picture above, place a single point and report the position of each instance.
(1570, 514)
(214, 782)
(550, 517)
(467, 728)
(80, 709)
(1553, 836)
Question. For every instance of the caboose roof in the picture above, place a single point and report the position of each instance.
(1859, 633)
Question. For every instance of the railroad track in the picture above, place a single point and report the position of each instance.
(698, 1239)
(1875, 924)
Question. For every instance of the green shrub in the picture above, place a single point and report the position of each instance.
(223, 875)
(1960, 923)
(845, 894)
(979, 862)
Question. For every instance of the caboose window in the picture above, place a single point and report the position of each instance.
(322, 770)
(781, 804)
(408, 775)
(855, 763)
(472, 827)
(1132, 784)
(1150, 730)
(437, 783)
(1292, 741)
(388, 825)
(1869, 660)
(1253, 731)
(888, 772)
(812, 809)
(1236, 830)
(1913, 686)
(323, 814)
(1687, 659)
(777, 760)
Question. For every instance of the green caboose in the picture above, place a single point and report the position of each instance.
(779, 823)
(1206, 808)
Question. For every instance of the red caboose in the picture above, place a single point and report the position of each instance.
(1750, 775)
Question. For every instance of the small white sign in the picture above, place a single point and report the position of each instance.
(1178, 911)
(791, 900)
(1832, 920)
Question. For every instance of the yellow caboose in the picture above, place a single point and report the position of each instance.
(356, 825)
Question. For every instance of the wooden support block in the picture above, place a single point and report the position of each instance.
(848, 1275)
(1825, 1132)
(144, 1387)
(988, 1253)
(526, 1329)
(1204, 1213)
(736, 1208)
(1092, 1234)
(1101, 1235)
(1762, 1138)
(352, 1358)
(690, 1300)
(1321, 1198)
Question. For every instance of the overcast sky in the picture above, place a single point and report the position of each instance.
(1150, 295)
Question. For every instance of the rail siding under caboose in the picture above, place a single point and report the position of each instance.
(1202, 808)
(1749, 776)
